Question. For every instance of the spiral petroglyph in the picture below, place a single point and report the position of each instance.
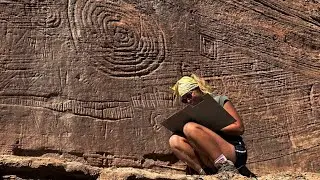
(120, 41)
(50, 18)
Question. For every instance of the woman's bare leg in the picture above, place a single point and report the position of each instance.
(184, 151)
(204, 158)
(208, 142)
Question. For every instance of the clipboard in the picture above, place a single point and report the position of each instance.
(208, 113)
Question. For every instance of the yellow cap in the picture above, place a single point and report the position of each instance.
(184, 85)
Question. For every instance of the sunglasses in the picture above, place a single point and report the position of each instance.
(186, 97)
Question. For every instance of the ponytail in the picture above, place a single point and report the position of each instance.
(203, 85)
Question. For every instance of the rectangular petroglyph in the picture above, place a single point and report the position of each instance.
(153, 100)
(208, 46)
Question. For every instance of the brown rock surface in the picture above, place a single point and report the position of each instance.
(88, 80)
(19, 168)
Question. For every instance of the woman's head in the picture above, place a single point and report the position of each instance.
(191, 89)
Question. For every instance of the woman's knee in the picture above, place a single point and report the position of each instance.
(175, 141)
(191, 128)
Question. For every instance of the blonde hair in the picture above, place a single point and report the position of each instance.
(187, 83)
(203, 85)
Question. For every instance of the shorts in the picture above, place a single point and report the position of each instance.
(241, 154)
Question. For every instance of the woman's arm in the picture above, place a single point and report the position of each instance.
(237, 127)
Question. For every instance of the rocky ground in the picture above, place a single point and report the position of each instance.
(43, 168)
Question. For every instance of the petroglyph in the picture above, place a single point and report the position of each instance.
(94, 76)
(156, 117)
(49, 17)
(120, 41)
(152, 100)
(15, 41)
(282, 47)
(112, 110)
(315, 99)
(208, 46)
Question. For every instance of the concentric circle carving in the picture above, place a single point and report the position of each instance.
(120, 41)
(49, 17)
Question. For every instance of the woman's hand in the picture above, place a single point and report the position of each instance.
(237, 127)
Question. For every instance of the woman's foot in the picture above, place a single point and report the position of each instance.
(226, 166)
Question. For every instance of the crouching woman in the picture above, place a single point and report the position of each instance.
(202, 149)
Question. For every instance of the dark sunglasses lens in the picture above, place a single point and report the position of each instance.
(186, 97)
(184, 100)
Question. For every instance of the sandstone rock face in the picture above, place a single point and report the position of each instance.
(91, 78)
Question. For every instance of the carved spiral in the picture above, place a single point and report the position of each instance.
(119, 40)
(49, 17)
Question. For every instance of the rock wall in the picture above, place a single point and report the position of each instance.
(91, 79)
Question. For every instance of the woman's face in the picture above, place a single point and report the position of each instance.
(193, 97)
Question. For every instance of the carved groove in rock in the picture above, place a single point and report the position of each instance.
(120, 41)
(69, 77)
(112, 110)
(208, 46)
(51, 17)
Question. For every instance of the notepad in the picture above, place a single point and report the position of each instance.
(208, 113)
